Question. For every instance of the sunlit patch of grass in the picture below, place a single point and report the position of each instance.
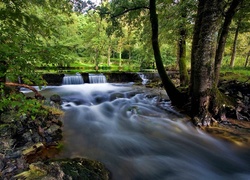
(241, 74)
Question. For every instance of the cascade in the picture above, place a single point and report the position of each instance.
(143, 78)
(139, 136)
(72, 79)
(97, 78)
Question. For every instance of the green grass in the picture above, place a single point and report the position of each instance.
(241, 74)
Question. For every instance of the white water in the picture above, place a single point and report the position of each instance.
(137, 136)
(97, 78)
(143, 78)
(72, 79)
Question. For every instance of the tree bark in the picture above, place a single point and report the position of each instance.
(204, 60)
(195, 41)
(181, 58)
(234, 46)
(181, 48)
(37, 94)
(223, 37)
(175, 96)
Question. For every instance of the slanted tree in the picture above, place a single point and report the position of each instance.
(229, 14)
(242, 26)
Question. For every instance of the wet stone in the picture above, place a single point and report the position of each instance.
(56, 99)
(78, 168)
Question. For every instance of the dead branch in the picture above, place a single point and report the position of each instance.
(37, 94)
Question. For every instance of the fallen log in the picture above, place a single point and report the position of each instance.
(37, 94)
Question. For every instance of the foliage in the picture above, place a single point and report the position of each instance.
(21, 106)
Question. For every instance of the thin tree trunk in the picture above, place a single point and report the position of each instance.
(175, 96)
(120, 57)
(234, 47)
(181, 58)
(109, 54)
(247, 59)
(181, 49)
(204, 60)
(223, 38)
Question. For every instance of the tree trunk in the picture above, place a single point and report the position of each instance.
(195, 41)
(175, 96)
(120, 57)
(223, 37)
(234, 47)
(181, 49)
(203, 60)
(181, 58)
(109, 54)
(247, 59)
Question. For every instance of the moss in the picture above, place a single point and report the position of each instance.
(84, 169)
(239, 76)
(34, 172)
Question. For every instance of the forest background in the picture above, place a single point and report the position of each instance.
(112, 35)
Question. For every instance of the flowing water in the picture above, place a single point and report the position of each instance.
(97, 78)
(138, 136)
(73, 79)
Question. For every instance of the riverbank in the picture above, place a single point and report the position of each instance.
(29, 149)
(29, 146)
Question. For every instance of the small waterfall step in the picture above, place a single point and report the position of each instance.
(143, 78)
(72, 79)
(97, 78)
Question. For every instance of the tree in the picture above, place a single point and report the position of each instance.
(175, 96)
(242, 26)
(120, 8)
(234, 45)
(28, 38)
(229, 14)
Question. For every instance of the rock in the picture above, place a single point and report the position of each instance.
(77, 168)
(5, 130)
(56, 99)
(1, 165)
(33, 149)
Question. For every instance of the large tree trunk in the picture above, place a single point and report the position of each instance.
(223, 37)
(195, 42)
(175, 96)
(234, 46)
(204, 60)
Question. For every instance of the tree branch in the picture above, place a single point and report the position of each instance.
(37, 94)
(128, 10)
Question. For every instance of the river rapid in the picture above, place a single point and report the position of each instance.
(137, 135)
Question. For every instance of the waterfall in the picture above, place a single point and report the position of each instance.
(97, 78)
(73, 79)
(144, 78)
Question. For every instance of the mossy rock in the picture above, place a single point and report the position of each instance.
(77, 168)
